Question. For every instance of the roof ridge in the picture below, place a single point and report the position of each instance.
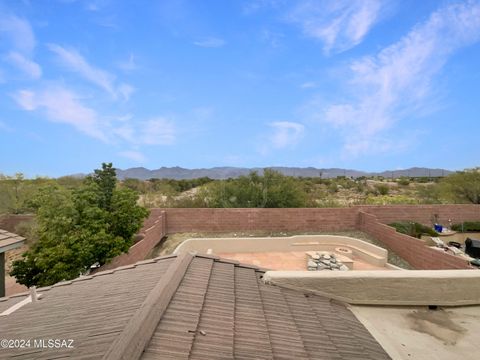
(195, 334)
(336, 323)
(302, 339)
(344, 315)
(269, 294)
(234, 262)
(138, 331)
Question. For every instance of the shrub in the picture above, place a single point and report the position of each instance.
(413, 229)
(382, 189)
(468, 226)
(404, 181)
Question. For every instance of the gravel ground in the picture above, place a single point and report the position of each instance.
(173, 240)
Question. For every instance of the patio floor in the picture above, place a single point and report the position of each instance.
(293, 260)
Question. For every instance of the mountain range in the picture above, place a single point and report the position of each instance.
(179, 173)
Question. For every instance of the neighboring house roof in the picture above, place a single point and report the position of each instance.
(9, 241)
(185, 307)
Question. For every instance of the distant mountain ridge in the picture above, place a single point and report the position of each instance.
(179, 173)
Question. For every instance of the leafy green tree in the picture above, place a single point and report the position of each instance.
(462, 186)
(272, 190)
(78, 228)
(106, 179)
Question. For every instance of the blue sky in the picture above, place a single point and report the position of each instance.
(367, 84)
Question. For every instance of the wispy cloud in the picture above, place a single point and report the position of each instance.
(308, 85)
(397, 82)
(339, 24)
(22, 39)
(286, 134)
(134, 155)
(253, 6)
(210, 42)
(75, 62)
(158, 131)
(128, 65)
(19, 32)
(125, 91)
(63, 106)
(29, 67)
(273, 38)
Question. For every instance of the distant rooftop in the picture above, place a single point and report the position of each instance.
(9, 241)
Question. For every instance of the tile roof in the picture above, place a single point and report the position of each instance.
(9, 240)
(185, 307)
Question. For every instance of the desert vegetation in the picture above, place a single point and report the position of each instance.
(270, 189)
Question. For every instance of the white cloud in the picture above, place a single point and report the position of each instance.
(133, 155)
(253, 6)
(29, 67)
(339, 24)
(125, 91)
(399, 79)
(103, 79)
(63, 106)
(128, 65)
(308, 85)
(125, 132)
(158, 131)
(22, 39)
(19, 31)
(210, 42)
(273, 38)
(286, 134)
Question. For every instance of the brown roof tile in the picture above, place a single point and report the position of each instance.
(9, 240)
(186, 307)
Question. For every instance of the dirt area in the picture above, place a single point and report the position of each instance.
(12, 287)
(173, 240)
(12, 255)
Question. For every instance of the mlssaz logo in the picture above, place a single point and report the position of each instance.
(53, 343)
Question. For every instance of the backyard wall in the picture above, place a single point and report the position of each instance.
(154, 229)
(309, 219)
(9, 222)
(224, 220)
(424, 213)
(413, 250)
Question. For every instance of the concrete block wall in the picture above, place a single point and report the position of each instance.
(10, 222)
(224, 220)
(153, 231)
(413, 250)
(424, 213)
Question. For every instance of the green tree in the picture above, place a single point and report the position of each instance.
(272, 190)
(106, 179)
(462, 186)
(78, 228)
